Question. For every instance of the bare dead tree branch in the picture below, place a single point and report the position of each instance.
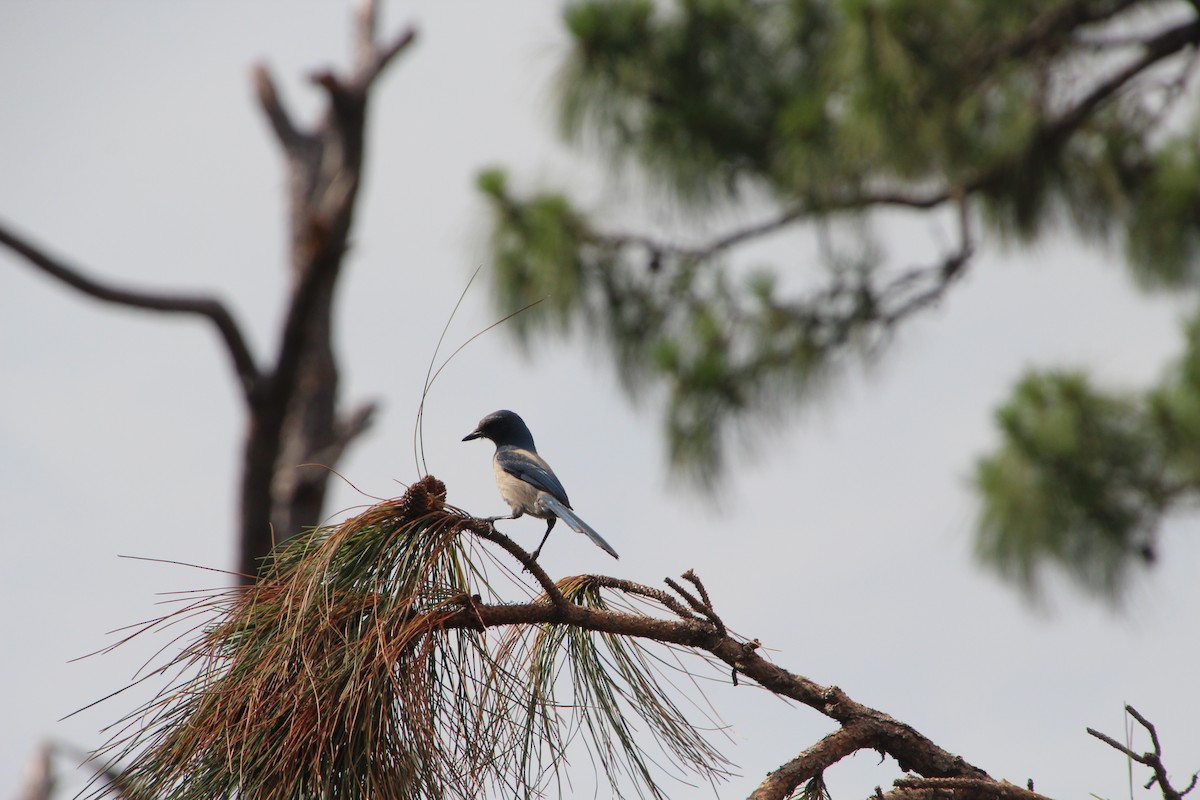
(348, 429)
(207, 307)
(268, 99)
(384, 55)
(40, 779)
(366, 20)
(297, 421)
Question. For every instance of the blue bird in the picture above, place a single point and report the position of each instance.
(526, 481)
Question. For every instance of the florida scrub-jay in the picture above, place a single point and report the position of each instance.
(526, 481)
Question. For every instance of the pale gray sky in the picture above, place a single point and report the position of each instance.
(130, 143)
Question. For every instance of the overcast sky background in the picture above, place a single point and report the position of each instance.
(131, 145)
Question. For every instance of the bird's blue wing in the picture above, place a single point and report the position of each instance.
(530, 467)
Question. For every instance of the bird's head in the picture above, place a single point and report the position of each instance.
(504, 428)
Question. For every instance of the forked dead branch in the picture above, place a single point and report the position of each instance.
(295, 430)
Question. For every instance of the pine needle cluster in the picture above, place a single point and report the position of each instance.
(360, 666)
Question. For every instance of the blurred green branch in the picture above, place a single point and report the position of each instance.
(1009, 119)
(1083, 478)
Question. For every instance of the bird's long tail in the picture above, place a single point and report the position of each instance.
(579, 526)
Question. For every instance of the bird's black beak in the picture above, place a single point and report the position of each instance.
(475, 434)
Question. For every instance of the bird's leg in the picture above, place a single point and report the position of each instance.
(513, 515)
(549, 527)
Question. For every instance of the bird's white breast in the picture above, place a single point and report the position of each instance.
(520, 496)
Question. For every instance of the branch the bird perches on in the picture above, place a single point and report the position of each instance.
(376, 658)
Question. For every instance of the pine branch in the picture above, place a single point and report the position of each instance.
(486, 529)
(783, 782)
(874, 729)
(1152, 759)
(960, 789)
